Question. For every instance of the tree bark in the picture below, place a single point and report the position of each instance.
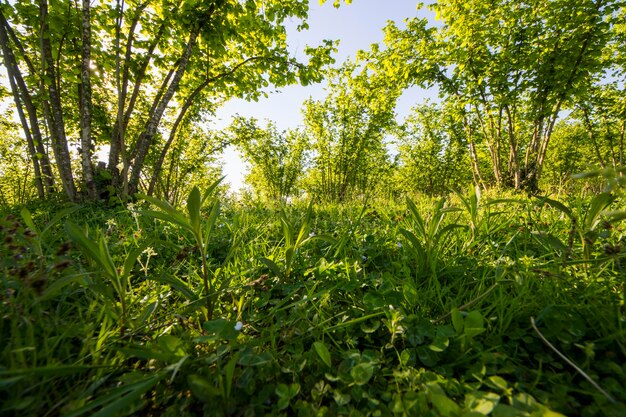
(55, 113)
(117, 144)
(9, 63)
(86, 105)
(24, 95)
(173, 131)
(146, 137)
(188, 103)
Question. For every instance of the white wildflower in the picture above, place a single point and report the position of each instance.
(149, 251)
(238, 326)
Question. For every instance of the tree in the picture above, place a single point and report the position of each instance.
(432, 151)
(347, 129)
(510, 66)
(120, 74)
(571, 153)
(602, 111)
(277, 158)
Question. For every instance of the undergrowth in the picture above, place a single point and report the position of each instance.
(384, 309)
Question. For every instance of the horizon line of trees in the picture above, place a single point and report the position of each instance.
(530, 93)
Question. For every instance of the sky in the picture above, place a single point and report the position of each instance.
(357, 26)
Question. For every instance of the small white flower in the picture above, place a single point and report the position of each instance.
(364, 258)
(149, 251)
(391, 307)
(305, 297)
(399, 244)
(238, 326)
(311, 234)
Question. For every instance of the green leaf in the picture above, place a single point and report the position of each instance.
(211, 189)
(497, 382)
(550, 240)
(615, 216)
(598, 204)
(173, 218)
(444, 405)
(172, 345)
(474, 324)
(117, 399)
(220, 329)
(323, 353)
(176, 283)
(557, 205)
(210, 223)
(131, 259)
(457, 321)
(193, 209)
(362, 373)
(250, 358)
(439, 344)
(229, 373)
(28, 220)
(58, 216)
(203, 389)
(272, 266)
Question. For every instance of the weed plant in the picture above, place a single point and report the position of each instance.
(468, 305)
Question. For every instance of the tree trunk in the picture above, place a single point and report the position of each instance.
(55, 113)
(9, 63)
(23, 97)
(86, 105)
(117, 145)
(179, 119)
(188, 102)
(145, 139)
(513, 151)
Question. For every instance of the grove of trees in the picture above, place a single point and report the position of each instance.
(529, 93)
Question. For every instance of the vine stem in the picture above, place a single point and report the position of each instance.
(572, 364)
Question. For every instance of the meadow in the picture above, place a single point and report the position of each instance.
(465, 305)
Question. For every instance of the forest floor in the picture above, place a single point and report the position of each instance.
(459, 306)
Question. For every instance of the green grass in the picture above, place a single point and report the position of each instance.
(384, 309)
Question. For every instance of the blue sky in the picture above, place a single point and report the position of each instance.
(357, 26)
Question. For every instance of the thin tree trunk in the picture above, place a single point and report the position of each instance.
(513, 154)
(23, 97)
(476, 174)
(165, 85)
(188, 102)
(146, 137)
(9, 63)
(86, 105)
(117, 145)
(55, 113)
(181, 115)
(621, 145)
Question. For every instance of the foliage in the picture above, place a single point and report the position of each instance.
(347, 130)
(509, 68)
(121, 73)
(462, 301)
(432, 155)
(420, 308)
(16, 171)
(277, 158)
